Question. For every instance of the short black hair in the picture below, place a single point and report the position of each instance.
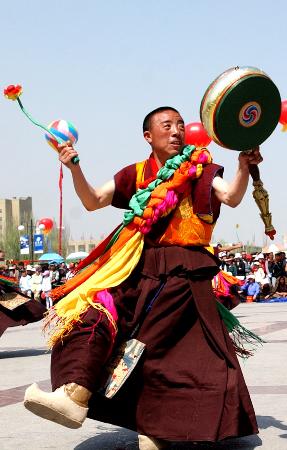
(147, 119)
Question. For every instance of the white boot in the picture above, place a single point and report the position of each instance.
(67, 405)
(148, 443)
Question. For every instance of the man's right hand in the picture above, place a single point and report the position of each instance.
(67, 153)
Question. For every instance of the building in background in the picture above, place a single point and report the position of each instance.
(14, 212)
(82, 245)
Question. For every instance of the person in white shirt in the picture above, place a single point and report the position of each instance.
(46, 288)
(24, 283)
(70, 274)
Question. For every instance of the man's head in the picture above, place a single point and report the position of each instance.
(277, 256)
(163, 129)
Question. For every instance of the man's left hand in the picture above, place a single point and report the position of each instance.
(250, 157)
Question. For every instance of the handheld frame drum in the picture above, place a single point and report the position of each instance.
(239, 110)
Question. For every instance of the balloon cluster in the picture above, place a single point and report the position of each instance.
(45, 225)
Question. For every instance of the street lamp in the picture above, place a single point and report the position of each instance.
(29, 230)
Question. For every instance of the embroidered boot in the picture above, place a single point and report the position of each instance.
(67, 405)
(148, 443)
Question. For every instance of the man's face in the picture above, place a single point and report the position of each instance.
(166, 134)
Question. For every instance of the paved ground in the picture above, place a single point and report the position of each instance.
(24, 359)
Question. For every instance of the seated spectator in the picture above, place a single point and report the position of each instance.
(258, 272)
(261, 277)
(251, 288)
(280, 289)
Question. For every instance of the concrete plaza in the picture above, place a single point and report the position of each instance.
(24, 359)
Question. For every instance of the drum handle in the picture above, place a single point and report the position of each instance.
(261, 198)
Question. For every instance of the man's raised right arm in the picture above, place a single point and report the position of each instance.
(91, 198)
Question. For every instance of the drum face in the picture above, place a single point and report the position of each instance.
(248, 113)
(241, 108)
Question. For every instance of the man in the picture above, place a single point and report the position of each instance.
(278, 269)
(70, 272)
(251, 288)
(240, 267)
(54, 274)
(188, 385)
(230, 266)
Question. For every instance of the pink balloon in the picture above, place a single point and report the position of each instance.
(283, 115)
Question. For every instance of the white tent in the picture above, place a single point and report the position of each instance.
(76, 256)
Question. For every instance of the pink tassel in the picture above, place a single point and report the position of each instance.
(106, 299)
(202, 158)
(192, 171)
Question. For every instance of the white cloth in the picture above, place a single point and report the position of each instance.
(24, 283)
(46, 284)
(260, 276)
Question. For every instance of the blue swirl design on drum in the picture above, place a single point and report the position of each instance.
(250, 114)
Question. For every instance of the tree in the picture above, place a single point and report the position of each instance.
(10, 243)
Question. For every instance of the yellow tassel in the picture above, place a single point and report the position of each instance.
(69, 310)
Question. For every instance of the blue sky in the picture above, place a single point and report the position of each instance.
(104, 66)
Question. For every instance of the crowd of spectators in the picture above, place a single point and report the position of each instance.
(262, 275)
(36, 281)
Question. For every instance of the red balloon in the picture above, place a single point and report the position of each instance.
(48, 223)
(195, 134)
(283, 115)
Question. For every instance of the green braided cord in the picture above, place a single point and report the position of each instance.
(114, 238)
(75, 159)
(232, 324)
(59, 140)
(140, 199)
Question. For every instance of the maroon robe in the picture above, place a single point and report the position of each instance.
(188, 385)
